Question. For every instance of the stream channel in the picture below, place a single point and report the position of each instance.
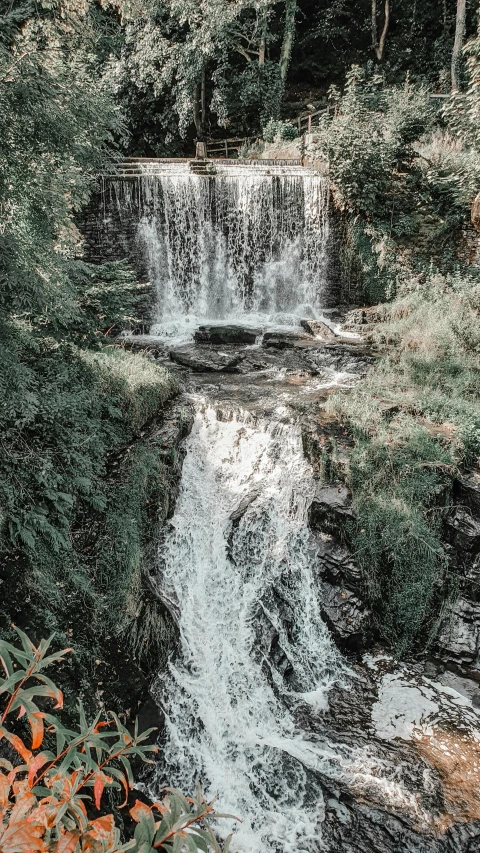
(314, 747)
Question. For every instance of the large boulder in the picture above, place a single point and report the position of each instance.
(203, 360)
(466, 492)
(459, 639)
(226, 335)
(318, 328)
(336, 564)
(285, 340)
(349, 620)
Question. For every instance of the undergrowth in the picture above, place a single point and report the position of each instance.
(416, 418)
(404, 176)
(84, 488)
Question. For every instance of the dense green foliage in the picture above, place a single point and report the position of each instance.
(181, 68)
(404, 177)
(71, 403)
(417, 421)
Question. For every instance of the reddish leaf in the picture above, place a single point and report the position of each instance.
(102, 827)
(36, 725)
(139, 809)
(98, 789)
(37, 762)
(67, 843)
(17, 744)
(23, 838)
(4, 790)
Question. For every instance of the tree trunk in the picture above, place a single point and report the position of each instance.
(203, 98)
(379, 46)
(458, 44)
(197, 111)
(288, 37)
(200, 107)
(263, 40)
(374, 25)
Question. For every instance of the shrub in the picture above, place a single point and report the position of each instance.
(368, 144)
(276, 131)
(42, 799)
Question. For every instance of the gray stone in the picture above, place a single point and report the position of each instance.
(466, 529)
(331, 509)
(226, 335)
(473, 575)
(318, 328)
(430, 669)
(466, 491)
(203, 360)
(362, 316)
(347, 617)
(336, 564)
(459, 639)
(241, 509)
(285, 340)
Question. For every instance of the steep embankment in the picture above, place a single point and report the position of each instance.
(93, 487)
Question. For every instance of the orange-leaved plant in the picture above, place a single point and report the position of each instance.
(42, 797)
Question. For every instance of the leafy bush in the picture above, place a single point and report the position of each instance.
(368, 145)
(276, 131)
(42, 799)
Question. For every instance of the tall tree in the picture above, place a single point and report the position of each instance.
(189, 52)
(288, 37)
(460, 25)
(379, 45)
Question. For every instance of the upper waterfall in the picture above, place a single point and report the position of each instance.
(249, 244)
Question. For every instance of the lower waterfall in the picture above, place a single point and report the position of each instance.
(238, 561)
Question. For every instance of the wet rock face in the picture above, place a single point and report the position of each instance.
(285, 340)
(340, 581)
(202, 360)
(226, 335)
(392, 716)
(318, 328)
(459, 639)
(331, 509)
(465, 529)
(347, 617)
(341, 595)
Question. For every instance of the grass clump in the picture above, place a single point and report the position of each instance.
(416, 418)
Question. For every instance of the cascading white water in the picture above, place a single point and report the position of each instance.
(245, 246)
(230, 708)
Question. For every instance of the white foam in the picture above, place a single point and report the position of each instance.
(228, 710)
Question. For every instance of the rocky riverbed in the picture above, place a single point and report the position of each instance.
(406, 734)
